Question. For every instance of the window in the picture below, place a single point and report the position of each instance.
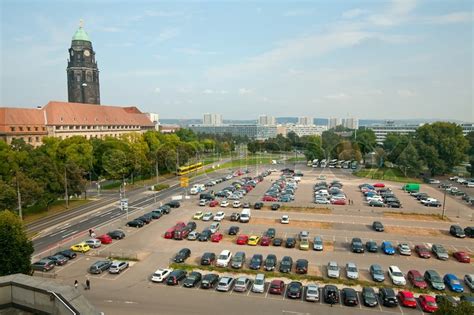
(37, 139)
(28, 128)
(36, 128)
(12, 129)
(21, 128)
(44, 128)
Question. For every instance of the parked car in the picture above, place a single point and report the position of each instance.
(453, 283)
(368, 297)
(376, 272)
(59, 260)
(160, 274)
(439, 252)
(293, 291)
(349, 297)
(69, 254)
(333, 269)
(175, 277)
(219, 216)
(182, 255)
(388, 297)
(462, 257)
(118, 266)
(427, 303)
(469, 281)
(81, 247)
(277, 241)
(235, 216)
(233, 230)
(242, 239)
(100, 266)
(277, 287)
(224, 258)
(404, 249)
(407, 299)
(253, 240)
(286, 264)
(356, 245)
(208, 258)
(209, 281)
(434, 280)
(93, 243)
(378, 226)
(318, 243)
(204, 235)
(351, 271)
(225, 284)
(192, 279)
(301, 266)
(311, 293)
(44, 265)
(371, 246)
(105, 239)
(242, 284)
(285, 219)
(387, 248)
(396, 275)
(422, 251)
(135, 223)
(416, 279)
(331, 294)
(238, 260)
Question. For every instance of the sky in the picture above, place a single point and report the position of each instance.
(367, 59)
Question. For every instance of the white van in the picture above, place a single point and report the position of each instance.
(259, 283)
(245, 216)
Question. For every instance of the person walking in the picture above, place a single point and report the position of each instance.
(88, 284)
(90, 232)
(76, 283)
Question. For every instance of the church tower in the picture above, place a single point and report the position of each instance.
(82, 71)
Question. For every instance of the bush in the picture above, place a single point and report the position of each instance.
(159, 187)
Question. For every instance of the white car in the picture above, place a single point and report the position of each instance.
(207, 216)
(312, 292)
(193, 235)
(93, 243)
(321, 201)
(333, 269)
(429, 200)
(351, 271)
(202, 202)
(396, 275)
(259, 283)
(470, 184)
(160, 275)
(224, 258)
(219, 216)
(285, 219)
(236, 204)
(214, 227)
(224, 203)
(374, 197)
(469, 281)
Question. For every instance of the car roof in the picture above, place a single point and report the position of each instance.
(394, 268)
(225, 252)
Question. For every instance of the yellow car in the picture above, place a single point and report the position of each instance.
(81, 247)
(198, 215)
(253, 240)
(304, 244)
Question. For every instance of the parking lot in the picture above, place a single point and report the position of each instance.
(149, 250)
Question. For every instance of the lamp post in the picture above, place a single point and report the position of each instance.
(444, 202)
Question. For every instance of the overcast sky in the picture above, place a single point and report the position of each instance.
(368, 59)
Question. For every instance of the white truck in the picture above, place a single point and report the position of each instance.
(197, 188)
(245, 215)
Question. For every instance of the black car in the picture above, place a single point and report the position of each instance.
(208, 259)
(368, 297)
(145, 218)
(192, 279)
(293, 290)
(275, 206)
(235, 216)
(371, 246)
(270, 262)
(155, 214)
(270, 232)
(67, 253)
(100, 266)
(182, 255)
(331, 294)
(286, 264)
(356, 245)
(256, 261)
(209, 281)
(301, 266)
(258, 205)
(290, 242)
(204, 236)
(457, 231)
(165, 209)
(136, 223)
(191, 225)
(378, 226)
(445, 299)
(394, 204)
(59, 260)
(277, 241)
(233, 230)
(388, 297)
(175, 277)
(469, 231)
(173, 204)
(349, 297)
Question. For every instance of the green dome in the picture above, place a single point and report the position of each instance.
(81, 35)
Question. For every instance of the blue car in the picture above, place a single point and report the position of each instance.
(387, 248)
(453, 283)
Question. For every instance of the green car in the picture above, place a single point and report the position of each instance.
(376, 203)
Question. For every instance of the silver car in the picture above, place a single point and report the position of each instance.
(241, 284)
(318, 243)
(312, 292)
(333, 269)
(404, 249)
(225, 284)
(193, 236)
(351, 271)
(118, 266)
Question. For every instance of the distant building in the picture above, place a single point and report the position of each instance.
(381, 131)
(252, 131)
(64, 120)
(169, 128)
(351, 123)
(212, 119)
(305, 130)
(305, 121)
(333, 123)
(467, 128)
(265, 120)
(155, 118)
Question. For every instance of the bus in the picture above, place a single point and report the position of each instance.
(315, 163)
(323, 163)
(332, 163)
(183, 170)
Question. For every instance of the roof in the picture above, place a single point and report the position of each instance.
(65, 113)
(81, 35)
(10, 116)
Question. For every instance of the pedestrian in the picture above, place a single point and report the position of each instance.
(90, 232)
(76, 283)
(88, 284)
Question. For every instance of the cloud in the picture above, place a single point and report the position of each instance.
(298, 12)
(405, 93)
(157, 90)
(208, 91)
(336, 97)
(353, 13)
(195, 51)
(243, 91)
(450, 18)
(167, 34)
(23, 39)
(110, 29)
(396, 13)
(142, 73)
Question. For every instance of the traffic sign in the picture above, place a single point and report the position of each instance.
(184, 181)
(124, 204)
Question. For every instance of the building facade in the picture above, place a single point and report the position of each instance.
(467, 128)
(64, 120)
(265, 120)
(306, 130)
(381, 131)
(82, 70)
(351, 123)
(252, 131)
(212, 119)
(333, 123)
(305, 121)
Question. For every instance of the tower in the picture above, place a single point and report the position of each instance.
(82, 71)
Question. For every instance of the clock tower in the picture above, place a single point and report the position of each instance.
(82, 71)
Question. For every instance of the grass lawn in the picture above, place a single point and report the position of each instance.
(35, 213)
(242, 163)
(297, 159)
(392, 174)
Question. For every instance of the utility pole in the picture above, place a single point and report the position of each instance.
(65, 187)
(20, 211)
(444, 202)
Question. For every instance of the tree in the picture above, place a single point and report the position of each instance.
(312, 147)
(470, 151)
(115, 164)
(16, 247)
(409, 160)
(366, 140)
(330, 140)
(462, 308)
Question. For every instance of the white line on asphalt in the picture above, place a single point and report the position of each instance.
(70, 233)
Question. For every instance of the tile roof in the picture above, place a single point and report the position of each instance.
(10, 116)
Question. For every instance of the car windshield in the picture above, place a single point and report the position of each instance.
(240, 282)
(435, 278)
(285, 263)
(222, 256)
(312, 291)
(378, 271)
(455, 282)
(259, 281)
(369, 294)
(352, 269)
(397, 274)
(332, 267)
(431, 303)
(270, 261)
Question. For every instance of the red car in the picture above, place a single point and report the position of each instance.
(269, 198)
(416, 279)
(265, 241)
(423, 251)
(277, 287)
(105, 239)
(213, 203)
(428, 303)
(462, 257)
(216, 237)
(242, 239)
(379, 185)
(407, 299)
(180, 225)
(340, 202)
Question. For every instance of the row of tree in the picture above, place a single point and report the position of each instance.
(59, 168)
